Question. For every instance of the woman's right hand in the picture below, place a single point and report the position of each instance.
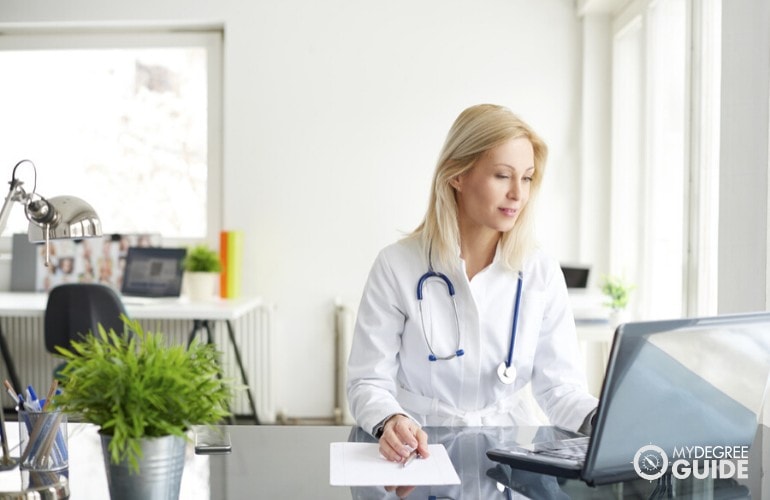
(400, 437)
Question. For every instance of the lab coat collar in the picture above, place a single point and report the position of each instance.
(496, 260)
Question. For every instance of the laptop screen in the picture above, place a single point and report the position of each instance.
(153, 272)
(678, 384)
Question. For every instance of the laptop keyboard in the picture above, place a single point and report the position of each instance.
(569, 449)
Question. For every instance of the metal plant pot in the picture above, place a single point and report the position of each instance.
(160, 470)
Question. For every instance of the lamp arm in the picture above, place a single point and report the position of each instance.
(38, 211)
(77, 221)
(16, 193)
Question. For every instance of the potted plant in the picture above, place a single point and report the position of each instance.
(144, 395)
(202, 266)
(618, 293)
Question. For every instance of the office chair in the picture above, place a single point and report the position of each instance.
(74, 310)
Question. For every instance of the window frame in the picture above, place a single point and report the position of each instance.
(210, 37)
(700, 191)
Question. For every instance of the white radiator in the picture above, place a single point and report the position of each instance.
(344, 319)
(253, 333)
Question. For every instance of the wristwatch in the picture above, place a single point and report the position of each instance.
(380, 427)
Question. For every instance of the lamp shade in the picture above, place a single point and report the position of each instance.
(72, 218)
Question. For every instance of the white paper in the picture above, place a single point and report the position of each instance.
(360, 464)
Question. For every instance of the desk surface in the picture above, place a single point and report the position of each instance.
(32, 305)
(293, 462)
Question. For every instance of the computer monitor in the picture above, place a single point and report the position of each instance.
(153, 272)
(575, 276)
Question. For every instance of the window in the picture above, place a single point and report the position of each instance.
(127, 121)
(627, 149)
(662, 187)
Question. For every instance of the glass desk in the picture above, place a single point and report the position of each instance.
(293, 462)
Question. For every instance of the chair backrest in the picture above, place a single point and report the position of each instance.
(75, 309)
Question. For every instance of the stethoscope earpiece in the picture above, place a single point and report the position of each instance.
(458, 353)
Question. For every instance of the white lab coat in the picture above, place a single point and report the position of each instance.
(389, 371)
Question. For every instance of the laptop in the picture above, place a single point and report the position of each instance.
(669, 385)
(152, 274)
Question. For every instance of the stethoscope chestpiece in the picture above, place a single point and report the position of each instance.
(506, 374)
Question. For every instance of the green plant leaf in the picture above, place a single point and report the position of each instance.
(201, 258)
(617, 291)
(136, 385)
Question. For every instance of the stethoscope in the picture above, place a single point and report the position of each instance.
(506, 372)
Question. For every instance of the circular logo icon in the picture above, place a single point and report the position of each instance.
(650, 462)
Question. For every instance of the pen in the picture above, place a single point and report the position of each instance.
(32, 397)
(11, 391)
(51, 393)
(4, 440)
(410, 458)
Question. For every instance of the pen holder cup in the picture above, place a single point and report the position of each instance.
(43, 438)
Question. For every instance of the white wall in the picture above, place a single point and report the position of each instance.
(334, 114)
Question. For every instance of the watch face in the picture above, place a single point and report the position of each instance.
(650, 462)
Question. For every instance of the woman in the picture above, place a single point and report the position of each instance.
(422, 356)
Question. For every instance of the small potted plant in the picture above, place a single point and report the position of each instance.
(618, 293)
(144, 395)
(202, 266)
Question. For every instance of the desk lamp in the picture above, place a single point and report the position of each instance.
(61, 217)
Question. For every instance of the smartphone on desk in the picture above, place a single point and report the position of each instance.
(212, 440)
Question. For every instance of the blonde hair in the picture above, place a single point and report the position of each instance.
(477, 130)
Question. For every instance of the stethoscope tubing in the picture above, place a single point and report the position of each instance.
(504, 372)
(451, 289)
(433, 274)
(515, 325)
